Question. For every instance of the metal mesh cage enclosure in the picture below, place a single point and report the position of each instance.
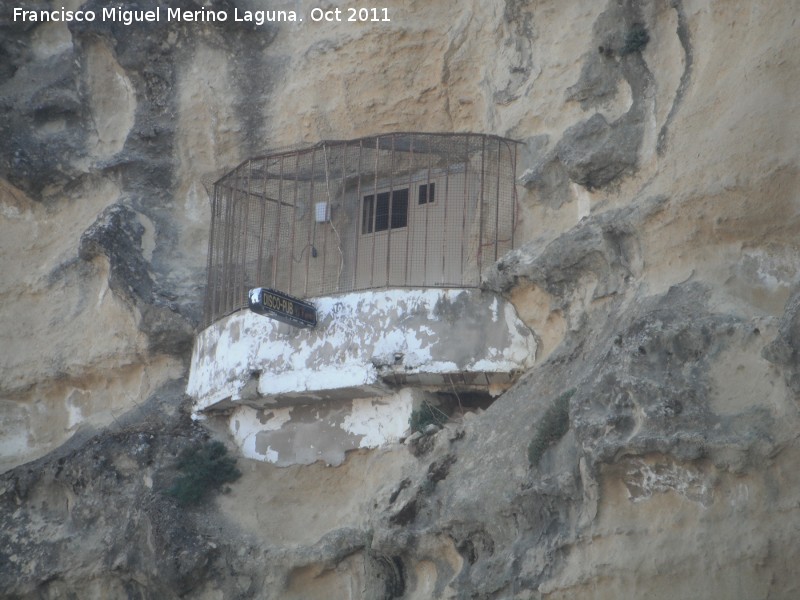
(394, 210)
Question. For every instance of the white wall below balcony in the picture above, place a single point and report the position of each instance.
(352, 379)
(308, 433)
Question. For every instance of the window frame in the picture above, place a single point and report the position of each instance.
(379, 211)
(429, 188)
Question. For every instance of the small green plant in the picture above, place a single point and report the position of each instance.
(552, 427)
(204, 469)
(635, 39)
(425, 415)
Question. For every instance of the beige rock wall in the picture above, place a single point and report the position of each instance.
(654, 180)
(72, 354)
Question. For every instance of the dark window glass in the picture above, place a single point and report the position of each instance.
(378, 214)
(367, 214)
(382, 212)
(400, 208)
(427, 193)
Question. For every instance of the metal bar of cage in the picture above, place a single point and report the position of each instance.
(262, 230)
(326, 208)
(246, 223)
(497, 205)
(312, 231)
(480, 204)
(449, 182)
(208, 302)
(427, 223)
(465, 201)
(293, 231)
(373, 211)
(514, 201)
(390, 215)
(357, 224)
(227, 243)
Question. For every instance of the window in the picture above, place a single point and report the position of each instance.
(400, 208)
(368, 214)
(384, 211)
(427, 193)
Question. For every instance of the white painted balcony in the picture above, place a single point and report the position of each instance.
(353, 380)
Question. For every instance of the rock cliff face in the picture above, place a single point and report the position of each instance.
(660, 204)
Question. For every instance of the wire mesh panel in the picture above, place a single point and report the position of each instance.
(394, 210)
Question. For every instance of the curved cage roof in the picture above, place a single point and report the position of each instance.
(391, 210)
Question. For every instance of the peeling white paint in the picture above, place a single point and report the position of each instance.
(288, 438)
(415, 331)
(349, 383)
(379, 422)
(332, 377)
(74, 413)
(271, 455)
(245, 423)
(643, 480)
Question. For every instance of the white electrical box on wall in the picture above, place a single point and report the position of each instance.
(322, 212)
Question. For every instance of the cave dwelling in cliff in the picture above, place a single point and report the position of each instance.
(386, 238)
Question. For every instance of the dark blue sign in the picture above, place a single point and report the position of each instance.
(282, 307)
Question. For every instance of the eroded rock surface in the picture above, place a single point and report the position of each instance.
(656, 263)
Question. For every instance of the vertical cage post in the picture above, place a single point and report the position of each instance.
(480, 206)
(465, 203)
(208, 301)
(390, 208)
(276, 246)
(372, 214)
(497, 205)
(290, 247)
(427, 238)
(357, 220)
(410, 202)
(242, 293)
(514, 200)
(227, 245)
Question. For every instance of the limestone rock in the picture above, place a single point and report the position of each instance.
(595, 153)
(49, 122)
(117, 235)
(600, 257)
(784, 351)
(656, 261)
